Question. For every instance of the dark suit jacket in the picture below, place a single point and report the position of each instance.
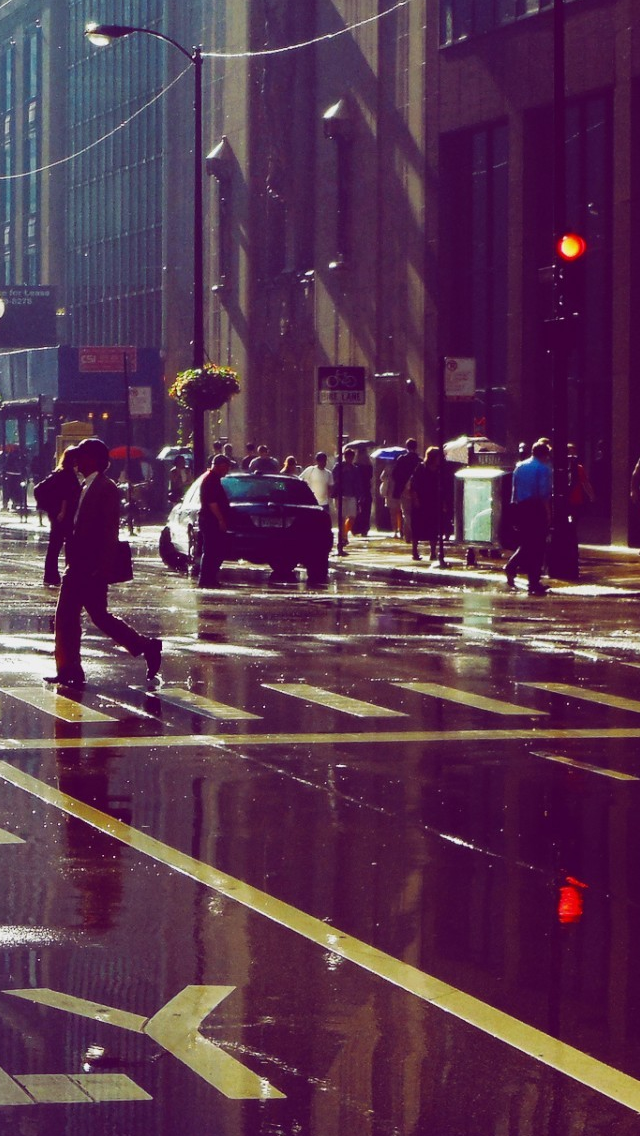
(92, 545)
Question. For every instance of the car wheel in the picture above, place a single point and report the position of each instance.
(168, 551)
(318, 570)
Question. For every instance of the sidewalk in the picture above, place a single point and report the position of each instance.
(604, 569)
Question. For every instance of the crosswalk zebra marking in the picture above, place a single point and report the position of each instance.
(466, 698)
(341, 702)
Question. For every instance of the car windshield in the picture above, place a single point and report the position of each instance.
(280, 490)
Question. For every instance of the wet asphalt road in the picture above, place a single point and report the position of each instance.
(365, 862)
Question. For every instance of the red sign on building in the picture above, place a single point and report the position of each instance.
(106, 360)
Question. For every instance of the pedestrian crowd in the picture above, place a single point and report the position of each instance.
(413, 489)
(83, 507)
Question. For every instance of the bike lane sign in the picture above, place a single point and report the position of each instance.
(341, 386)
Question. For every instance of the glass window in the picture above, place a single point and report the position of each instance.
(460, 19)
(474, 239)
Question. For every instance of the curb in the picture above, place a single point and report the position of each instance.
(367, 559)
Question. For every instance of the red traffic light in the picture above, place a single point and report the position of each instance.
(571, 246)
(570, 900)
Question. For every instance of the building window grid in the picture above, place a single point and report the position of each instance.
(115, 261)
(7, 159)
(461, 19)
(32, 100)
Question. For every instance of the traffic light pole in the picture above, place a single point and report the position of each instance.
(563, 548)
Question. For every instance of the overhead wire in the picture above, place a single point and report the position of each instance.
(267, 51)
(309, 42)
(97, 141)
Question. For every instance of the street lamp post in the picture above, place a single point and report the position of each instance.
(101, 35)
(563, 548)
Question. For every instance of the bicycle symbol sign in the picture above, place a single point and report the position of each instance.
(340, 386)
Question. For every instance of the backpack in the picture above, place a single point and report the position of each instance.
(49, 493)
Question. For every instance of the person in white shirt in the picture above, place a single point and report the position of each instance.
(320, 481)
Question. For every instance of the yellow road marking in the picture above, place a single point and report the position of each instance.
(10, 1092)
(65, 709)
(340, 702)
(581, 1067)
(176, 696)
(385, 737)
(77, 1088)
(53, 1088)
(176, 1028)
(102, 1087)
(465, 698)
(10, 837)
(80, 1006)
(613, 773)
(612, 700)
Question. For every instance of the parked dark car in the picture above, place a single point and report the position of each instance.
(275, 520)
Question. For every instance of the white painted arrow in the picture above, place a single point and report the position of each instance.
(176, 1028)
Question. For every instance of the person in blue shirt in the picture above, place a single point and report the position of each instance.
(531, 501)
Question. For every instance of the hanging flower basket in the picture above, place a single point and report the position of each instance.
(205, 389)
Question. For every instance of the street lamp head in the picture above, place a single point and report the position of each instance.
(101, 35)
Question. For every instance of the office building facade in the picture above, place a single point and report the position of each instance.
(378, 193)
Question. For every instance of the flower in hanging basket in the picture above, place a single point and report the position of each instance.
(205, 389)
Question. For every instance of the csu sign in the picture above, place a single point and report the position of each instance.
(341, 386)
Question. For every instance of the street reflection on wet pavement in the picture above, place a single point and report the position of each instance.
(364, 861)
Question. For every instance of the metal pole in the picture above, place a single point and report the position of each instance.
(440, 442)
(563, 552)
(341, 551)
(198, 356)
(198, 214)
(127, 432)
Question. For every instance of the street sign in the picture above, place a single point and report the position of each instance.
(341, 386)
(459, 379)
(140, 402)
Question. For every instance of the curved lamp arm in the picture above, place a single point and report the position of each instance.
(100, 35)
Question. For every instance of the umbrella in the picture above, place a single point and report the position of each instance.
(388, 453)
(359, 442)
(458, 449)
(170, 453)
(119, 453)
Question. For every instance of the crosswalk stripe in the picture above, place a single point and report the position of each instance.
(466, 698)
(207, 707)
(57, 705)
(580, 692)
(333, 701)
(233, 650)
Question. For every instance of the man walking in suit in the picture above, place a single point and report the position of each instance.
(85, 584)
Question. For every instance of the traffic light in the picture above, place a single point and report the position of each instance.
(571, 246)
(570, 284)
(570, 900)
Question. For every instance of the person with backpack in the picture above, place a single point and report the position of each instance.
(57, 496)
